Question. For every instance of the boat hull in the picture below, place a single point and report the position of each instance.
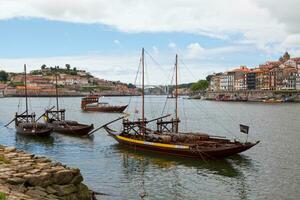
(116, 109)
(45, 132)
(74, 130)
(183, 150)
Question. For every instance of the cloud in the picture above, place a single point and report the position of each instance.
(194, 50)
(172, 45)
(122, 67)
(261, 22)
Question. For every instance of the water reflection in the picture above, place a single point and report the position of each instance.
(33, 140)
(136, 164)
(133, 161)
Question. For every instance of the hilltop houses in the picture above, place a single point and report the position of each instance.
(272, 75)
(71, 82)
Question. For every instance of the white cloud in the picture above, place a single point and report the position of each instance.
(172, 45)
(292, 41)
(261, 22)
(194, 50)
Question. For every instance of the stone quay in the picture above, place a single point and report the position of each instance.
(24, 176)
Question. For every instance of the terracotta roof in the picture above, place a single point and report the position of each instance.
(241, 69)
(297, 60)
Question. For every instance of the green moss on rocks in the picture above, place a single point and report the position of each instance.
(3, 160)
(2, 196)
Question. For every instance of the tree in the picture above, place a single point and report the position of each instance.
(43, 66)
(201, 85)
(130, 85)
(3, 76)
(208, 78)
(74, 69)
(68, 66)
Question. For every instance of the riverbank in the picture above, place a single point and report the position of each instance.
(26, 176)
(253, 96)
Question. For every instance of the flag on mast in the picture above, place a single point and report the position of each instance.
(244, 128)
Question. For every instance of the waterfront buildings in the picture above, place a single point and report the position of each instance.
(272, 75)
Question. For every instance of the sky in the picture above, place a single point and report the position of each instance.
(106, 37)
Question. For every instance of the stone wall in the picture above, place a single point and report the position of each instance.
(25, 176)
(253, 95)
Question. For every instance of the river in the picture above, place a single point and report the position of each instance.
(270, 170)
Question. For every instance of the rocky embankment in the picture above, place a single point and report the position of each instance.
(29, 177)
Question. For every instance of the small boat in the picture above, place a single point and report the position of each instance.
(167, 138)
(26, 124)
(55, 119)
(273, 100)
(91, 103)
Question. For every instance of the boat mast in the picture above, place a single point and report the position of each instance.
(176, 93)
(56, 91)
(25, 80)
(143, 87)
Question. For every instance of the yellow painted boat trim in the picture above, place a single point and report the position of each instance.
(173, 146)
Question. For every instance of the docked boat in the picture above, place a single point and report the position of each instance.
(91, 103)
(25, 123)
(167, 138)
(272, 100)
(55, 119)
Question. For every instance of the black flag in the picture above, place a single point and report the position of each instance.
(244, 128)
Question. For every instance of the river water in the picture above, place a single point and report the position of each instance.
(271, 170)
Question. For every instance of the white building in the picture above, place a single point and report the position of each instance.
(227, 81)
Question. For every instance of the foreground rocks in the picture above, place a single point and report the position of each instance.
(29, 177)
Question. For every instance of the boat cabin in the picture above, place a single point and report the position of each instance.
(89, 100)
(55, 115)
(24, 118)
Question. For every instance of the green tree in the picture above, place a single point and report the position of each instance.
(3, 76)
(68, 66)
(130, 85)
(200, 85)
(208, 78)
(43, 66)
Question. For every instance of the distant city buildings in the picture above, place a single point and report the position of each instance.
(273, 75)
(69, 81)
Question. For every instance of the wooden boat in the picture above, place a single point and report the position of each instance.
(167, 138)
(91, 103)
(55, 119)
(26, 124)
(273, 101)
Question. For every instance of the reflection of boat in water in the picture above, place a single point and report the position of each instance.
(168, 140)
(91, 103)
(45, 141)
(225, 167)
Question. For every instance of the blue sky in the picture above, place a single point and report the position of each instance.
(108, 41)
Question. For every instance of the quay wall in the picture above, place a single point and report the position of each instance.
(254, 95)
(30, 177)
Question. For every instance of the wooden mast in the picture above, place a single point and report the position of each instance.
(26, 100)
(56, 90)
(143, 89)
(176, 93)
